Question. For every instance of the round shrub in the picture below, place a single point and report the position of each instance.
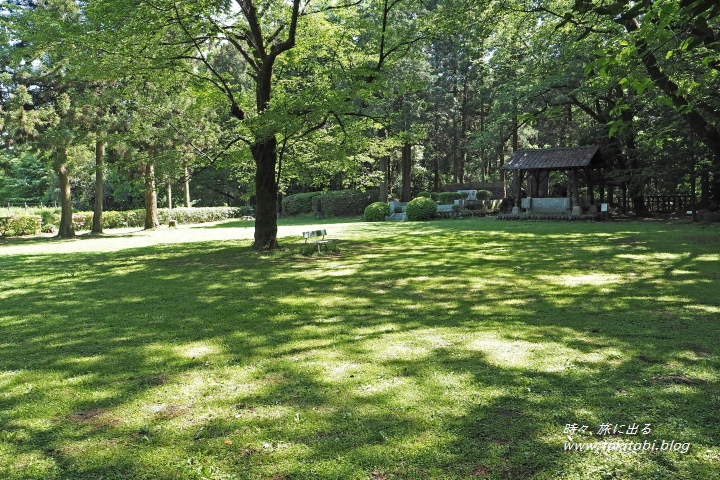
(421, 208)
(376, 212)
(483, 194)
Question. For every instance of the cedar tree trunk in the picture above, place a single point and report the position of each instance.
(266, 190)
(66, 229)
(406, 173)
(98, 207)
(151, 212)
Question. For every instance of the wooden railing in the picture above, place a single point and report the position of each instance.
(668, 203)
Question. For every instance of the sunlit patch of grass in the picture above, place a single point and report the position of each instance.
(450, 350)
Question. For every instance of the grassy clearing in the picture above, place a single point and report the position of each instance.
(443, 350)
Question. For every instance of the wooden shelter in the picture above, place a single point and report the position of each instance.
(535, 165)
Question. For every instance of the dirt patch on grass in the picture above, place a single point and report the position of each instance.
(173, 411)
(378, 476)
(481, 471)
(154, 380)
(95, 417)
(508, 412)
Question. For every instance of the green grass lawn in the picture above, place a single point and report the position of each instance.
(453, 349)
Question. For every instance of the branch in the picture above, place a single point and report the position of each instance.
(234, 108)
(331, 7)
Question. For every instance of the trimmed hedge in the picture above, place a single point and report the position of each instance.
(200, 214)
(299, 203)
(421, 208)
(376, 212)
(448, 198)
(136, 218)
(434, 195)
(17, 225)
(335, 203)
(339, 203)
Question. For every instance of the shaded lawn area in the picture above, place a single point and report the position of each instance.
(443, 350)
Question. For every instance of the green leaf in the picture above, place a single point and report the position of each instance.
(669, 54)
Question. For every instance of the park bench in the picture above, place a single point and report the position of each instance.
(318, 237)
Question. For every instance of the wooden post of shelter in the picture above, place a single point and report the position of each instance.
(591, 186)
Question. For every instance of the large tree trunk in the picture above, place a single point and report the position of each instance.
(98, 207)
(66, 229)
(264, 150)
(384, 194)
(266, 191)
(406, 173)
(384, 163)
(151, 212)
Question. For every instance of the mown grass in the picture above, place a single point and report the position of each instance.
(443, 350)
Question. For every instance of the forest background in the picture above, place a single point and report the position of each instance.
(104, 102)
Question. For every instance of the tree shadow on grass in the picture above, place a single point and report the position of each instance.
(415, 356)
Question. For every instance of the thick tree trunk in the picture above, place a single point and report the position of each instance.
(169, 196)
(384, 160)
(151, 212)
(264, 150)
(406, 173)
(704, 186)
(98, 207)
(266, 191)
(383, 166)
(66, 229)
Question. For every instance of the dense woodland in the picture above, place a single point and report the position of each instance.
(112, 104)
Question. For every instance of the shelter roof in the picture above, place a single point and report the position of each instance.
(564, 158)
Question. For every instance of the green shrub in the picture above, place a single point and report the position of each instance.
(448, 198)
(18, 225)
(299, 203)
(136, 218)
(338, 203)
(421, 208)
(199, 214)
(376, 212)
(483, 195)
(112, 219)
(432, 195)
(82, 220)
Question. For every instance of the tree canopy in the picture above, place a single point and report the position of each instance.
(290, 96)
